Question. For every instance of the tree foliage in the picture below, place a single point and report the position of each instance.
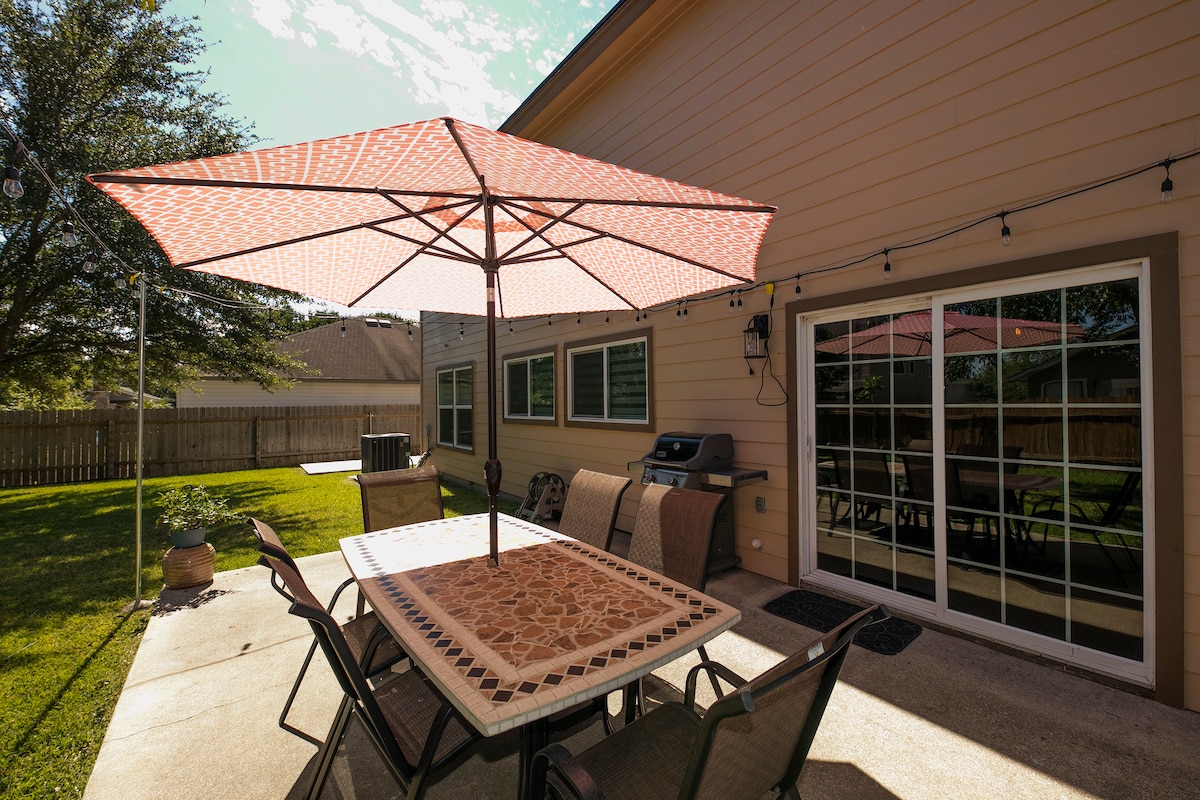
(93, 86)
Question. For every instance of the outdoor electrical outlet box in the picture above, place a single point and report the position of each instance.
(760, 505)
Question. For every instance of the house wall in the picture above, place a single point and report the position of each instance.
(214, 393)
(871, 124)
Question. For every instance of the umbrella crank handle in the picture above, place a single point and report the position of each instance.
(491, 477)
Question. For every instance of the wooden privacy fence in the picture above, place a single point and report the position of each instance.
(45, 447)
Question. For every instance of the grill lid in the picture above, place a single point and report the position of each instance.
(692, 451)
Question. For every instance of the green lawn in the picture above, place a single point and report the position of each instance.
(68, 571)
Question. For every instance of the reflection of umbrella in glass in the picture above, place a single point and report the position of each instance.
(912, 335)
(445, 216)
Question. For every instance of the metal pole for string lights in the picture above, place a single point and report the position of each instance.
(141, 426)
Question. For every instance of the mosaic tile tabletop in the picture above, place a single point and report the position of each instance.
(557, 623)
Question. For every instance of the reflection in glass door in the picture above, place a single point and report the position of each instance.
(873, 401)
(1029, 496)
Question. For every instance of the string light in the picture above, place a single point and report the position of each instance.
(343, 327)
(731, 306)
(1168, 186)
(887, 265)
(797, 284)
(510, 328)
(69, 237)
(91, 262)
(606, 318)
(409, 326)
(461, 331)
(12, 182)
(1005, 231)
(578, 318)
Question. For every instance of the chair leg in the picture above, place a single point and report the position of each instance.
(711, 676)
(283, 723)
(329, 749)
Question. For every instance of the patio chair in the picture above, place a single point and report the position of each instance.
(414, 728)
(1055, 511)
(753, 741)
(672, 534)
(918, 476)
(400, 497)
(358, 631)
(590, 511)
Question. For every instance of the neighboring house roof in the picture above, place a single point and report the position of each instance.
(358, 349)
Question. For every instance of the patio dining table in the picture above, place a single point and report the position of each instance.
(558, 623)
(1016, 486)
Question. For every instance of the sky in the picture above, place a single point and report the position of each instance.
(309, 69)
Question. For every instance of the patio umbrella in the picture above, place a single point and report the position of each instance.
(446, 216)
(912, 335)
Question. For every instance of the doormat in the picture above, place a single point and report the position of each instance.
(824, 613)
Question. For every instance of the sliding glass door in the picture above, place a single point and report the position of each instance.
(1009, 500)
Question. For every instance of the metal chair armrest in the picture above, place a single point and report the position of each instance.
(562, 761)
(712, 668)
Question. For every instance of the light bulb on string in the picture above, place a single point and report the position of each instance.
(91, 262)
(606, 318)
(461, 331)
(1168, 185)
(732, 308)
(69, 237)
(12, 182)
(1005, 231)
(510, 329)
(578, 318)
(685, 305)
(797, 283)
(887, 265)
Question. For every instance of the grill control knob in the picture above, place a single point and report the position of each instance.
(671, 481)
(648, 477)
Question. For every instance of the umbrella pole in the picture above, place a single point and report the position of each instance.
(491, 468)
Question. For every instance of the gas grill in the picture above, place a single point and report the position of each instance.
(702, 461)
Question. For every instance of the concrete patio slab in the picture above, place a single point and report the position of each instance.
(945, 718)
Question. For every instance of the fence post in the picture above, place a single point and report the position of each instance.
(257, 442)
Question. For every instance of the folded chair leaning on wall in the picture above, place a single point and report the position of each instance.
(752, 741)
(359, 632)
(414, 728)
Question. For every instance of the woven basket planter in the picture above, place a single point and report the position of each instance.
(188, 566)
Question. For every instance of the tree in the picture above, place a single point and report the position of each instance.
(94, 86)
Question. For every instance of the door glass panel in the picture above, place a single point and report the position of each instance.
(1040, 523)
(872, 389)
(1027, 548)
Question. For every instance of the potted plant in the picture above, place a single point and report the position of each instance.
(189, 510)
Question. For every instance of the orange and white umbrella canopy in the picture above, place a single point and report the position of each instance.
(399, 217)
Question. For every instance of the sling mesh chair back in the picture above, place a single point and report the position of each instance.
(752, 741)
(358, 631)
(590, 511)
(672, 534)
(400, 497)
(673, 531)
(416, 730)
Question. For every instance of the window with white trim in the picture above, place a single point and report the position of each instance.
(609, 382)
(455, 389)
(529, 387)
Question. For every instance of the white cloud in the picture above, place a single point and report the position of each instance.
(275, 16)
(466, 59)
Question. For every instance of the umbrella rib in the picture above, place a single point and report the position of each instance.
(676, 204)
(538, 233)
(431, 248)
(284, 243)
(218, 183)
(420, 217)
(633, 243)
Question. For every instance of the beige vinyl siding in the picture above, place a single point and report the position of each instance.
(871, 125)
